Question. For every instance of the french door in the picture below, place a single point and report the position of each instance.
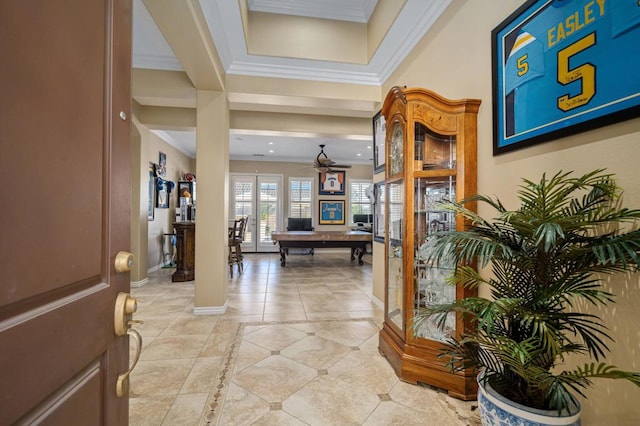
(258, 197)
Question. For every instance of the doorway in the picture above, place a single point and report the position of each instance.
(259, 197)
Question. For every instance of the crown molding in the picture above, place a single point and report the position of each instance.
(413, 22)
(157, 62)
(352, 11)
(225, 24)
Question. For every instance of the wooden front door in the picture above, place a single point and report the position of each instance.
(65, 173)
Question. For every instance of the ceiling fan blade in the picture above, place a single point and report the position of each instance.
(324, 164)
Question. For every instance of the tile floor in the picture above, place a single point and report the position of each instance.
(297, 346)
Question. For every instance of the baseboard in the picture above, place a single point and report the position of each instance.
(154, 268)
(377, 302)
(211, 310)
(138, 284)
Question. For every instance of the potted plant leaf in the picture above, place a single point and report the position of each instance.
(547, 258)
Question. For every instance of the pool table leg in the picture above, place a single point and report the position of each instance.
(283, 256)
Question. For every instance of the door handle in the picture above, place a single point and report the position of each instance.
(123, 320)
(122, 385)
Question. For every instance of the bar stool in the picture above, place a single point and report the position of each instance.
(236, 237)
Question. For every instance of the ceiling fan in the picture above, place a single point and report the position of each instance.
(323, 164)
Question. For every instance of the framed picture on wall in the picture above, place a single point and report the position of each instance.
(162, 194)
(331, 212)
(331, 183)
(162, 164)
(378, 212)
(561, 68)
(379, 135)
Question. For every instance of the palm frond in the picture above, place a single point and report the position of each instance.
(543, 257)
(557, 387)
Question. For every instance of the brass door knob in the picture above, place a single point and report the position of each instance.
(123, 313)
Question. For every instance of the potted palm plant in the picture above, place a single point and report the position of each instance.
(546, 258)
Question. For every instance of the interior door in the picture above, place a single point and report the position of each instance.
(260, 198)
(65, 168)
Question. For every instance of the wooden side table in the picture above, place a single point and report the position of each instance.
(186, 251)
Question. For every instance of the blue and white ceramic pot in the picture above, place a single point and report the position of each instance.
(496, 410)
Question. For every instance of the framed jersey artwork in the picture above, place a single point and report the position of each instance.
(331, 183)
(331, 212)
(564, 66)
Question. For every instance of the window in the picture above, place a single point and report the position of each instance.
(359, 191)
(300, 197)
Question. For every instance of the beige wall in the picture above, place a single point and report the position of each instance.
(307, 38)
(177, 165)
(139, 220)
(454, 59)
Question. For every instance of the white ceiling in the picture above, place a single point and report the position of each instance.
(150, 50)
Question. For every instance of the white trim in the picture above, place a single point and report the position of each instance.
(211, 310)
(156, 62)
(138, 284)
(328, 9)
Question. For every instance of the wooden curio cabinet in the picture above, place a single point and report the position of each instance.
(431, 156)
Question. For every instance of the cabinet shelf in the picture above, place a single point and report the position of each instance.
(424, 129)
(435, 173)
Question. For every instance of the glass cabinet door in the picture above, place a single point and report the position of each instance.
(432, 150)
(395, 270)
(430, 286)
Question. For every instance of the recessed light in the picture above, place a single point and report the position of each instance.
(270, 143)
(271, 151)
(359, 155)
(368, 146)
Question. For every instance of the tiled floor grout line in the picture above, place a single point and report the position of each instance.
(224, 377)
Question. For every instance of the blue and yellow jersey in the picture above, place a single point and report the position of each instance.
(571, 58)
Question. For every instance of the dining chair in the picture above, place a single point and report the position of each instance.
(236, 237)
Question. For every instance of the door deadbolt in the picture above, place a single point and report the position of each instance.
(124, 261)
